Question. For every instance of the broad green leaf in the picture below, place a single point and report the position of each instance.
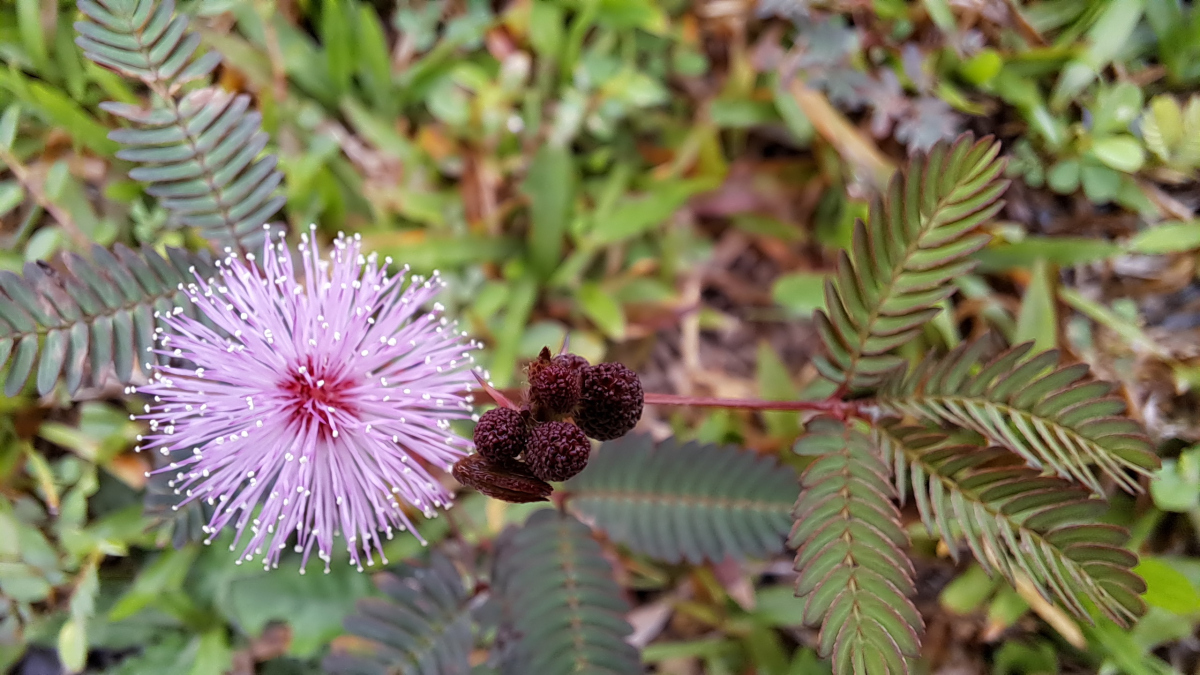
(72, 646)
(313, 605)
(800, 292)
(546, 28)
(550, 188)
(1063, 177)
(633, 216)
(8, 126)
(165, 574)
(504, 354)
(29, 22)
(1176, 486)
(1170, 237)
(968, 591)
(213, 654)
(1167, 588)
(1038, 318)
(338, 43)
(602, 309)
(1122, 152)
(775, 384)
(12, 194)
(1106, 38)
(1059, 251)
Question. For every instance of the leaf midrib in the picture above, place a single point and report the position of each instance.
(952, 485)
(207, 174)
(689, 500)
(90, 319)
(866, 331)
(1015, 412)
(567, 555)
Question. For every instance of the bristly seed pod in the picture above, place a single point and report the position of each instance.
(611, 400)
(572, 361)
(554, 390)
(501, 435)
(507, 483)
(557, 451)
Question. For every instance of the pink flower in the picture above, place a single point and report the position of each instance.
(316, 405)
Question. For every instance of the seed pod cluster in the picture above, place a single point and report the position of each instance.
(520, 452)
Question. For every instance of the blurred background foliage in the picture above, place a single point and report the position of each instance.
(667, 182)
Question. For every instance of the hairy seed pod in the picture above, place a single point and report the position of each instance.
(501, 435)
(572, 361)
(557, 451)
(554, 390)
(507, 483)
(611, 400)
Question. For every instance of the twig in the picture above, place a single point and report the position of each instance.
(57, 212)
(832, 406)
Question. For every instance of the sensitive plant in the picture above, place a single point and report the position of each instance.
(1006, 453)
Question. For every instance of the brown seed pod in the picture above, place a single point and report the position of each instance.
(557, 451)
(501, 435)
(572, 361)
(610, 402)
(554, 390)
(507, 483)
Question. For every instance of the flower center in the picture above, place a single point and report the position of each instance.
(320, 395)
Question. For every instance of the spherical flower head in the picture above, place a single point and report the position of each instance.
(572, 361)
(611, 403)
(317, 407)
(557, 451)
(554, 389)
(501, 435)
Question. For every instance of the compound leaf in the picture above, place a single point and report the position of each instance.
(77, 322)
(1016, 521)
(562, 610)
(199, 152)
(420, 626)
(855, 576)
(920, 237)
(1053, 416)
(688, 502)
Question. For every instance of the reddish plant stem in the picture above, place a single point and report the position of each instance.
(832, 406)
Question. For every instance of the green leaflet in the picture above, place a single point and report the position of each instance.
(900, 266)
(75, 324)
(421, 626)
(1016, 521)
(199, 153)
(1053, 416)
(855, 576)
(688, 501)
(562, 610)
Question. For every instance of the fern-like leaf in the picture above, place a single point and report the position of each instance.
(562, 610)
(1052, 416)
(685, 502)
(1016, 521)
(854, 574)
(200, 153)
(69, 323)
(919, 238)
(422, 626)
